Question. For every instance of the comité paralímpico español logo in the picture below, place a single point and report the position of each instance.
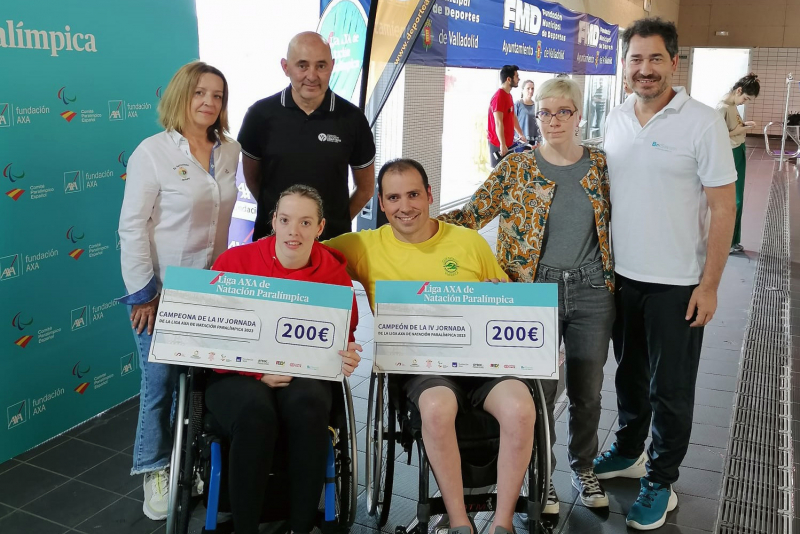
(21, 322)
(80, 373)
(13, 175)
(62, 95)
(124, 162)
(75, 235)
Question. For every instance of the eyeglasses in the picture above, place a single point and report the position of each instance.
(563, 115)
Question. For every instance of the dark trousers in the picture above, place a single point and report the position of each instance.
(657, 355)
(252, 414)
(740, 160)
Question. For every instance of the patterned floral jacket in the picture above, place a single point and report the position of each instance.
(519, 193)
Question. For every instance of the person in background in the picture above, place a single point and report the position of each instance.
(254, 408)
(502, 121)
(526, 112)
(554, 211)
(179, 197)
(308, 134)
(744, 91)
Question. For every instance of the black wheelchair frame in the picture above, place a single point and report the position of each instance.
(197, 449)
(389, 409)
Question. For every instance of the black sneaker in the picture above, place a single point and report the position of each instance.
(592, 493)
(551, 507)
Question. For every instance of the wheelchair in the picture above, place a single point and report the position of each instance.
(199, 451)
(393, 419)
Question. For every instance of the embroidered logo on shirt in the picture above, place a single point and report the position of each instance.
(450, 266)
(662, 146)
(329, 138)
(182, 171)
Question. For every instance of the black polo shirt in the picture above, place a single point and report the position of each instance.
(315, 150)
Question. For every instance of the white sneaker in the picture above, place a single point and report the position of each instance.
(592, 493)
(156, 494)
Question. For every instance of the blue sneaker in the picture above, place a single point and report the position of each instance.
(650, 509)
(612, 464)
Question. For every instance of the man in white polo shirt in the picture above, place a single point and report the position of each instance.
(672, 187)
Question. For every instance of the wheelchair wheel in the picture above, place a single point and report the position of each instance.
(346, 465)
(187, 424)
(539, 481)
(380, 448)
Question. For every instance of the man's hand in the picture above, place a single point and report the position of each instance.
(496, 280)
(350, 358)
(523, 139)
(704, 301)
(276, 381)
(144, 315)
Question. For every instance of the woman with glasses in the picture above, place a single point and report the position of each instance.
(554, 211)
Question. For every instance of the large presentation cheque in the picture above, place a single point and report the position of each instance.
(252, 323)
(460, 328)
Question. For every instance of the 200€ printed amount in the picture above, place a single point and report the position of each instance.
(523, 334)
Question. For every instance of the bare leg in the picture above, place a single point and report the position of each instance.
(438, 407)
(511, 404)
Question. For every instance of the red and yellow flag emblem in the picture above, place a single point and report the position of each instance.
(14, 194)
(75, 254)
(80, 389)
(68, 115)
(23, 341)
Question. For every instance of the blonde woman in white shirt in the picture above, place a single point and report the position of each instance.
(179, 197)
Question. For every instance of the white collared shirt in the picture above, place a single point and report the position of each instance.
(173, 211)
(658, 172)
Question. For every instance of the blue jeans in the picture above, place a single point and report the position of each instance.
(585, 318)
(153, 445)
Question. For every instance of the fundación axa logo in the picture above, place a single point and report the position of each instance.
(10, 267)
(74, 235)
(73, 182)
(5, 115)
(127, 364)
(79, 318)
(17, 414)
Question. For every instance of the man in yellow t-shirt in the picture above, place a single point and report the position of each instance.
(415, 247)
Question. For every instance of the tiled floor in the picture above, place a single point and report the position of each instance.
(79, 482)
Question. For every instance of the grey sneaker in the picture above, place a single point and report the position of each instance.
(735, 249)
(592, 493)
(551, 507)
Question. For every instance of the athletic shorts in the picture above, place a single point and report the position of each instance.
(470, 391)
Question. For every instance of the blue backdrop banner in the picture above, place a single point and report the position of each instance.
(536, 35)
(81, 84)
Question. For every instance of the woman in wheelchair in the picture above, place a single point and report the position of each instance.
(253, 408)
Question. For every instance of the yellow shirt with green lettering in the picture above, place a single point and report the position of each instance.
(453, 254)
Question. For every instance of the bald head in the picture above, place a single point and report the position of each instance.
(308, 65)
(308, 42)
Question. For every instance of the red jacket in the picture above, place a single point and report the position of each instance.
(326, 266)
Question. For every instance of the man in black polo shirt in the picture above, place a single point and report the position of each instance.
(306, 134)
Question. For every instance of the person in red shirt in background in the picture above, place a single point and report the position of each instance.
(502, 119)
(251, 407)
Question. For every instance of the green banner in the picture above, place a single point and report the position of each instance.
(81, 81)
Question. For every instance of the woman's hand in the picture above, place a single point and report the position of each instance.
(749, 124)
(350, 358)
(144, 315)
(276, 381)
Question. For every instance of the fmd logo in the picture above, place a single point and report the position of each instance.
(5, 115)
(116, 110)
(526, 17)
(588, 33)
(17, 414)
(127, 364)
(73, 182)
(10, 267)
(79, 318)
